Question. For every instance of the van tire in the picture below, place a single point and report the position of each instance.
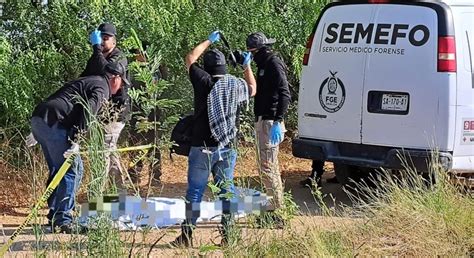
(349, 174)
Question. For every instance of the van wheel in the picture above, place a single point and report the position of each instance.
(348, 174)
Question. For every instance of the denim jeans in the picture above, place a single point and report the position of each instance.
(203, 161)
(54, 142)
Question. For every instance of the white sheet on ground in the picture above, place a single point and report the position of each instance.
(131, 212)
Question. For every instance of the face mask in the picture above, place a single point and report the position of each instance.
(261, 56)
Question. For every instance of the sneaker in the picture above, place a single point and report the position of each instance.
(183, 240)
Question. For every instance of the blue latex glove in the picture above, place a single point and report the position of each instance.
(275, 133)
(214, 36)
(247, 58)
(95, 37)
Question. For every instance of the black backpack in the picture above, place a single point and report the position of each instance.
(181, 135)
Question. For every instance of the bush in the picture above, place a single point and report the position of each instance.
(45, 45)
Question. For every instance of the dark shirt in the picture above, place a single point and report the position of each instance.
(64, 106)
(95, 66)
(273, 95)
(202, 84)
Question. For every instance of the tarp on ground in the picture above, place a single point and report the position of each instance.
(132, 212)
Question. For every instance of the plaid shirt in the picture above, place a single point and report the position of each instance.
(222, 102)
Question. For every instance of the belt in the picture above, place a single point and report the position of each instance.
(258, 118)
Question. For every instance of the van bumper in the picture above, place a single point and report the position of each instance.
(368, 155)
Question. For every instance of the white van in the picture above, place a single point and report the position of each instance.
(383, 78)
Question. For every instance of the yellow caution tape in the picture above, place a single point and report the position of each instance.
(49, 190)
(133, 148)
(137, 159)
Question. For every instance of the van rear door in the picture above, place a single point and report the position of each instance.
(332, 81)
(407, 102)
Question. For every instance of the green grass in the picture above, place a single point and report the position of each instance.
(399, 216)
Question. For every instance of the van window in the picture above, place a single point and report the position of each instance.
(468, 38)
(470, 46)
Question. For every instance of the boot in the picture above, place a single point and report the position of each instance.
(225, 237)
(185, 239)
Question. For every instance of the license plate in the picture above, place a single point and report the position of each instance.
(395, 102)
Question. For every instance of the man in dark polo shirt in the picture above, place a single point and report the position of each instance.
(55, 123)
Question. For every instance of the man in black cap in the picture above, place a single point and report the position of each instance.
(105, 51)
(55, 124)
(104, 43)
(213, 150)
(271, 104)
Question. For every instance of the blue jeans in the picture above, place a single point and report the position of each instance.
(203, 161)
(54, 142)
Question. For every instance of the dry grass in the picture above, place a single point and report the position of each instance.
(404, 217)
(411, 217)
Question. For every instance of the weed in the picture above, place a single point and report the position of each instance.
(408, 214)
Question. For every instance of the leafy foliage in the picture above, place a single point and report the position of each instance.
(44, 45)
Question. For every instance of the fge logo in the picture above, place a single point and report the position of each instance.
(332, 93)
(381, 34)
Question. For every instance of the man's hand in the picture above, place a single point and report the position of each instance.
(214, 36)
(74, 149)
(247, 56)
(30, 140)
(95, 37)
(275, 133)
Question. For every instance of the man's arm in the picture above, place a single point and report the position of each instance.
(89, 106)
(96, 63)
(250, 79)
(96, 97)
(248, 74)
(194, 55)
(283, 90)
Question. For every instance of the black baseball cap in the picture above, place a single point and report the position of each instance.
(258, 40)
(214, 62)
(108, 29)
(117, 68)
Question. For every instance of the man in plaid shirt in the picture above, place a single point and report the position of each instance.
(216, 96)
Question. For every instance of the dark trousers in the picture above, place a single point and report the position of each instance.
(317, 169)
